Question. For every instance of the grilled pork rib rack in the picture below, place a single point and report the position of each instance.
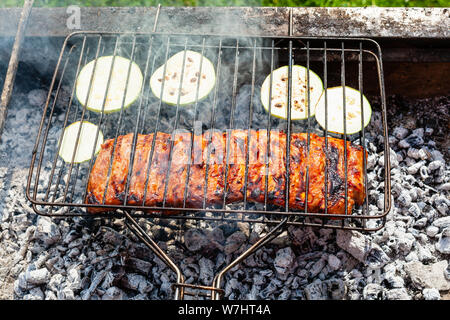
(163, 183)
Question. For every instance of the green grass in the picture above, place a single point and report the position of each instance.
(252, 3)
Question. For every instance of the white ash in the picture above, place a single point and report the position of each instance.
(431, 294)
(44, 258)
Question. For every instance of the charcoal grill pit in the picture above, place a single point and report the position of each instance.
(290, 42)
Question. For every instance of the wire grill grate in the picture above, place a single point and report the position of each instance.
(58, 189)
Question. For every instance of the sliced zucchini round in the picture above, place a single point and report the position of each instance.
(192, 78)
(85, 144)
(299, 95)
(335, 108)
(117, 85)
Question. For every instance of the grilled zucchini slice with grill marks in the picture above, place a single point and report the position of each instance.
(85, 145)
(335, 110)
(299, 95)
(120, 82)
(180, 77)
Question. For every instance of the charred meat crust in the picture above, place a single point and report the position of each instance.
(212, 182)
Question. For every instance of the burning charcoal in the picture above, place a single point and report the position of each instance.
(302, 236)
(403, 241)
(361, 248)
(55, 263)
(398, 294)
(140, 251)
(34, 294)
(444, 186)
(373, 291)
(231, 285)
(206, 271)
(424, 254)
(317, 267)
(443, 244)
(165, 290)
(47, 230)
(37, 97)
(415, 168)
(285, 294)
(336, 289)
(136, 282)
(440, 176)
(414, 193)
(428, 276)
(216, 235)
(284, 261)
(428, 131)
(73, 252)
(394, 281)
(316, 291)
(414, 210)
(268, 291)
(111, 236)
(21, 284)
(424, 154)
(74, 279)
(281, 240)
(333, 262)
(409, 161)
(70, 236)
(138, 265)
(140, 296)
(404, 199)
(113, 293)
(412, 256)
(437, 155)
(380, 201)
(244, 228)
(421, 223)
(414, 140)
(37, 277)
(431, 294)
(392, 157)
(55, 282)
(447, 272)
(419, 132)
(436, 164)
(432, 231)
(400, 132)
(392, 140)
(97, 278)
(404, 144)
(371, 161)
(442, 204)
(191, 270)
(413, 153)
(65, 294)
(258, 279)
(50, 295)
(195, 239)
(254, 293)
(234, 242)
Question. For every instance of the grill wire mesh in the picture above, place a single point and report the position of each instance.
(241, 65)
